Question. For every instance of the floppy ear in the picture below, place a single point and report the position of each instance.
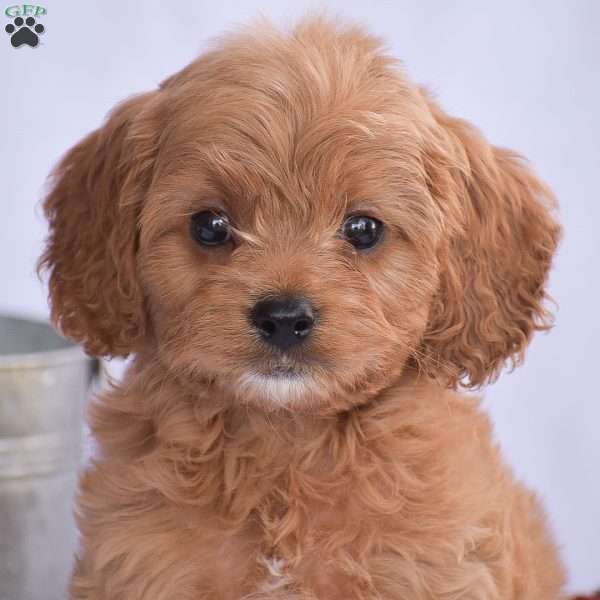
(493, 269)
(92, 211)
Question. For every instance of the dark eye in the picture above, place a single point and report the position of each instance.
(362, 232)
(210, 228)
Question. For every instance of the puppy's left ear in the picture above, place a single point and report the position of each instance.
(495, 262)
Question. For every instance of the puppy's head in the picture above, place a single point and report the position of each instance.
(291, 221)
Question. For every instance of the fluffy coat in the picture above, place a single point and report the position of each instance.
(365, 475)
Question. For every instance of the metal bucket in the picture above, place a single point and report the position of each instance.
(44, 382)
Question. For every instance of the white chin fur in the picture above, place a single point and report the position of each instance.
(280, 390)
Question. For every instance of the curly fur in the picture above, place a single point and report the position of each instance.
(366, 476)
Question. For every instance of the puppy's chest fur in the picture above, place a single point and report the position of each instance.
(374, 503)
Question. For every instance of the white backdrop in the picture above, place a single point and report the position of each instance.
(526, 73)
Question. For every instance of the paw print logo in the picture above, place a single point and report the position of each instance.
(24, 32)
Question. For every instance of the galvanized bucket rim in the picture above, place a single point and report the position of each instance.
(44, 358)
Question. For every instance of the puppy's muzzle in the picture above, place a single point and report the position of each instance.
(283, 321)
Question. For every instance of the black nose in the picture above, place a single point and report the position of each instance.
(283, 321)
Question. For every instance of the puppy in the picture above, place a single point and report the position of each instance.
(306, 257)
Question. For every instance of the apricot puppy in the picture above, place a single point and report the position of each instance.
(306, 256)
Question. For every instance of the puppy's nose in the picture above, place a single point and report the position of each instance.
(283, 321)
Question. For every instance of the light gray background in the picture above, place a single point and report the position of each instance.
(525, 72)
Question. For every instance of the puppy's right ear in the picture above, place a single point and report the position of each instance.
(93, 210)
